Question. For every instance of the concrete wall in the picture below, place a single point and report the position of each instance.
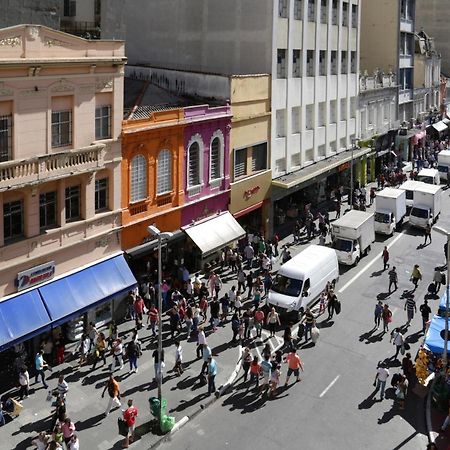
(379, 38)
(434, 16)
(42, 12)
(231, 37)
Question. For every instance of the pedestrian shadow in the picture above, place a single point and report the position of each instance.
(35, 427)
(140, 388)
(93, 421)
(185, 383)
(247, 402)
(366, 335)
(306, 345)
(407, 293)
(184, 404)
(220, 348)
(326, 323)
(376, 338)
(390, 362)
(413, 338)
(377, 273)
(383, 295)
(94, 378)
(368, 402)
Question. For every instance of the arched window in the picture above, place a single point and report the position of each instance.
(138, 177)
(215, 159)
(164, 173)
(194, 178)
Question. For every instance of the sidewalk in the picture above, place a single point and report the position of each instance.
(435, 419)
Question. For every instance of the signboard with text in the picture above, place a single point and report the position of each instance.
(35, 275)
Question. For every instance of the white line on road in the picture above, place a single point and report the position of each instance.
(329, 387)
(377, 258)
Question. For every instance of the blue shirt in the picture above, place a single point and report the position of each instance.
(206, 353)
(212, 367)
(39, 362)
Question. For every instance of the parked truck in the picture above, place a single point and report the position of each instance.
(444, 164)
(429, 176)
(353, 235)
(410, 187)
(390, 210)
(427, 206)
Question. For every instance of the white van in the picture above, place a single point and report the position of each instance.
(410, 187)
(429, 176)
(300, 281)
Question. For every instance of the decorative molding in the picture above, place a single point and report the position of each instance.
(13, 41)
(5, 91)
(48, 42)
(33, 92)
(62, 86)
(33, 32)
(104, 84)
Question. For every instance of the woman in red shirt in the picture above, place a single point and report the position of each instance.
(129, 416)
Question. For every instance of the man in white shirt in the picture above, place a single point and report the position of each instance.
(381, 378)
(398, 341)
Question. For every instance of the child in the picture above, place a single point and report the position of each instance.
(323, 302)
(254, 371)
(275, 379)
(178, 368)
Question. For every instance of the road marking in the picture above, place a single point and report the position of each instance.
(377, 258)
(329, 387)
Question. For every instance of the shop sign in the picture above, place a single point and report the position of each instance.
(344, 166)
(35, 275)
(251, 192)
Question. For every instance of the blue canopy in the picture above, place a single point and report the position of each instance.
(442, 303)
(434, 340)
(21, 318)
(73, 295)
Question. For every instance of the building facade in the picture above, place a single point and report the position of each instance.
(389, 44)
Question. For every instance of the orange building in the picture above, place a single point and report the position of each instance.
(152, 175)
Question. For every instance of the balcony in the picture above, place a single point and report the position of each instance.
(405, 96)
(17, 173)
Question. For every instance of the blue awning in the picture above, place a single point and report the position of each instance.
(434, 339)
(443, 304)
(73, 295)
(21, 318)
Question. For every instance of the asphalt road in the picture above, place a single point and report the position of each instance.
(332, 407)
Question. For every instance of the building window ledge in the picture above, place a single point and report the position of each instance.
(194, 190)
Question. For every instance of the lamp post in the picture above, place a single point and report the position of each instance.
(354, 141)
(154, 231)
(447, 299)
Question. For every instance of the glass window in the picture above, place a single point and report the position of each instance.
(5, 138)
(13, 220)
(281, 63)
(311, 10)
(296, 121)
(47, 210)
(333, 68)
(101, 194)
(73, 203)
(61, 128)
(281, 122)
(345, 14)
(343, 109)
(353, 62)
(344, 62)
(259, 157)
(240, 162)
(215, 158)
(287, 286)
(298, 9)
(138, 177)
(323, 11)
(164, 176)
(296, 64)
(322, 62)
(310, 63)
(282, 8)
(334, 13)
(103, 122)
(355, 16)
(194, 165)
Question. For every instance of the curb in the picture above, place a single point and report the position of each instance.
(431, 434)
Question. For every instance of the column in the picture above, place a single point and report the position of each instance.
(2, 239)
(31, 212)
(61, 201)
(364, 171)
(88, 196)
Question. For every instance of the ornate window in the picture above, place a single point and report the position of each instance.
(216, 156)
(194, 176)
(164, 172)
(138, 178)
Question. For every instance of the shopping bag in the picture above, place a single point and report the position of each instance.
(123, 427)
(315, 333)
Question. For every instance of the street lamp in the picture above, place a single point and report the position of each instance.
(447, 300)
(354, 141)
(154, 231)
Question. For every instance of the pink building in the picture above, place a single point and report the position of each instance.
(207, 171)
(61, 106)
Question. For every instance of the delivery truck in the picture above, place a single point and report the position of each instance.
(390, 210)
(427, 206)
(429, 176)
(444, 164)
(409, 187)
(353, 235)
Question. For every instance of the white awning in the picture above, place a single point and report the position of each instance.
(440, 126)
(215, 233)
(446, 120)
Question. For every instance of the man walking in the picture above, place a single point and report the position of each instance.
(378, 313)
(393, 279)
(114, 393)
(397, 340)
(427, 234)
(129, 415)
(40, 365)
(212, 372)
(332, 299)
(294, 364)
(410, 308)
(416, 275)
(380, 379)
(385, 256)
(425, 310)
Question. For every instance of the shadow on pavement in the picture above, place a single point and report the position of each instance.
(377, 273)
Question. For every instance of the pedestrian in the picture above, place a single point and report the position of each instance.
(387, 317)
(272, 320)
(393, 279)
(117, 352)
(206, 352)
(378, 313)
(92, 334)
(246, 362)
(380, 379)
(212, 372)
(62, 388)
(408, 367)
(385, 257)
(235, 323)
(427, 234)
(133, 354)
(331, 306)
(113, 388)
(309, 322)
(416, 275)
(249, 254)
(255, 369)
(294, 365)
(40, 366)
(158, 366)
(175, 321)
(152, 318)
(100, 350)
(59, 414)
(24, 382)
(249, 283)
(203, 306)
(410, 308)
(225, 303)
(178, 367)
(129, 415)
(85, 344)
(214, 309)
(241, 277)
(425, 310)
(58, 435)
(201, 341)
(372, 196)
(40, 442)
(74, 443)
(398, 340)
(401, 391)
(68, 428)
(60, 350)
(437, 279)
(238, 304)
(266, 370)
(274, 380)
(338, 209)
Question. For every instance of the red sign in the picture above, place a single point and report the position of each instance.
(250, 192)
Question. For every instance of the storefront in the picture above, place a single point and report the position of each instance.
(65, 303)
(250, 202)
